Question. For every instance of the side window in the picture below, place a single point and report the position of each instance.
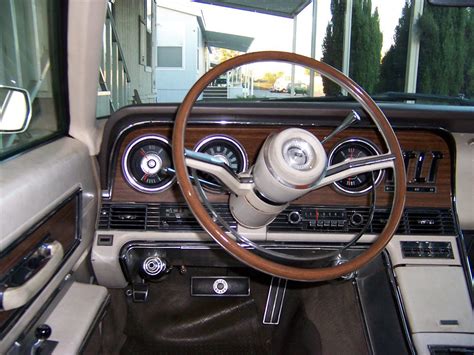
(25, 62)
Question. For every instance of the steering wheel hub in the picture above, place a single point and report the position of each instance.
(298, 154)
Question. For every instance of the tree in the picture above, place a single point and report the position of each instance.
(392, 71)
(224, 54)
(366, 44)
(446, 50)
(468, 86)
(442, 50)
(272, 77)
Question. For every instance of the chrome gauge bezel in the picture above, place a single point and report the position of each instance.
(129, 178)
(234, 142)
(369, 145)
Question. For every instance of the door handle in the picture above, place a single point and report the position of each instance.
(18, 296)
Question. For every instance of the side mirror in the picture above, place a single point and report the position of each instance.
(15, 109)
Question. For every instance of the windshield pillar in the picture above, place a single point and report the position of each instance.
(413, 47)
(293, 49)
(314, 23)
(346, 52)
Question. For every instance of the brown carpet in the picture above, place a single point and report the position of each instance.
(316, 319)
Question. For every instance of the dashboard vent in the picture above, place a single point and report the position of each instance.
(123, 216)
(430, 221)
(154, 217)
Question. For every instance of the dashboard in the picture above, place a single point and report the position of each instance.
(140, 190)
(144, 223)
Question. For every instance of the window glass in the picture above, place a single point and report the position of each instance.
(391, 48)
(170, 57)
(25, 62)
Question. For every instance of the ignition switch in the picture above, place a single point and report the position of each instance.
(154, 267)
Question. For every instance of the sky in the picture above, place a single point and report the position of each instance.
(276, 33)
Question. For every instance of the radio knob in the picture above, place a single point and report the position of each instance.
(294, 217)
(357, 219)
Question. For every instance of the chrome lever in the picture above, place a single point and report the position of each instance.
(351, 118)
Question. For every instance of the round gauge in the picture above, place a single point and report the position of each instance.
(228, 150)
(353, 148)
(145, 164)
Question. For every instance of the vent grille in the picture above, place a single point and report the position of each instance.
(439, 222)
(123, 217)
(178, 217)
(154, 217)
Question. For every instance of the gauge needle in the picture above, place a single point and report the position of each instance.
(143, 153)
(144, 177)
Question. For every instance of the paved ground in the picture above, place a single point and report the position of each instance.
(268, 93)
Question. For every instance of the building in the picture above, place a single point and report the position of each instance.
(128, 59)
(183, 51)
(155, 50)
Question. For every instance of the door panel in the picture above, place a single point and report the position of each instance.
(32, 187)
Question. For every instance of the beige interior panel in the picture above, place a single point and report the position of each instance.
(70, 326)
(465, 179)
(436, 299)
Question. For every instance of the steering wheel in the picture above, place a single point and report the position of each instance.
(393, 159)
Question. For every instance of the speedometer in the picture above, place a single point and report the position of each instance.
(146, 164)
(354, 148)
(229, 151)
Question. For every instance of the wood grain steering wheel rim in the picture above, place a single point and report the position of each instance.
(226, 241)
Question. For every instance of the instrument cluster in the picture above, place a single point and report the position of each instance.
(147, 164)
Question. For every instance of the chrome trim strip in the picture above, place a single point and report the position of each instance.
(419, 166)
(399, 300)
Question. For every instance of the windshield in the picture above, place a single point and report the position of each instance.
(388, 47)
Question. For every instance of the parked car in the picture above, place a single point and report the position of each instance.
(136, 218)
(299, 88)
(281, 85)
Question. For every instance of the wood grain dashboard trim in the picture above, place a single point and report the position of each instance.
(316, 114)
(252, 137)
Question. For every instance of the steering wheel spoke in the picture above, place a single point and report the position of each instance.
(213, 166)
(355, 167)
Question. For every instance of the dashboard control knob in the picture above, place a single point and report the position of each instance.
(154, 267)
(220, 286)
(357, 219)
(294, 217)
(43, 332)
